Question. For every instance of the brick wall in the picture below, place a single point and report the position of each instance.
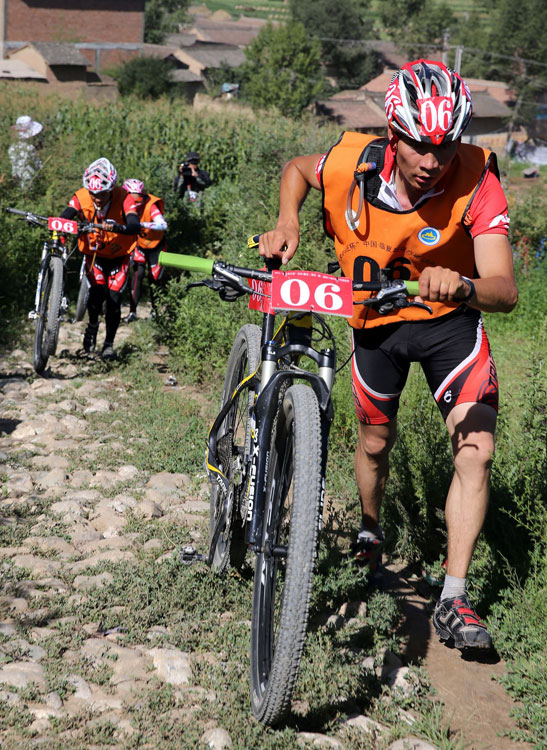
(60, 21)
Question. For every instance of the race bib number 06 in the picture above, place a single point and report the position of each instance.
(56, 224)
(312, 291)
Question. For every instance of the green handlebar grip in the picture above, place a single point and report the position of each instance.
(412, 287)
(186, 262)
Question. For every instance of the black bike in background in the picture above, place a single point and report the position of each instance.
(51, 300)
(267, 450)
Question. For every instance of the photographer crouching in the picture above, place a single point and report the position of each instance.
(190, 180)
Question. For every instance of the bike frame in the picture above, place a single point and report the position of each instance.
(262, 417)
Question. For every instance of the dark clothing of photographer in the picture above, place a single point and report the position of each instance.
(190, 180)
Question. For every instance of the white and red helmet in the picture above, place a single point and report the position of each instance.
(428, 102)
(100, 176)
(134, 186)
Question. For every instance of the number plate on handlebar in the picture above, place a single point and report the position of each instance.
(56, 224)
(309, 290)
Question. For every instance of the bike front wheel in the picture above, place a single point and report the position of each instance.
(227, 543)
(48, 321)
(284, 568)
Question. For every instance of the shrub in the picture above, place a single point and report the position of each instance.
(144, 77)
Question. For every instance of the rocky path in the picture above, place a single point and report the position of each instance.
(69, 519)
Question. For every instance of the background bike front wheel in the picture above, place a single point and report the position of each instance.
(48, 321)
(284, 570)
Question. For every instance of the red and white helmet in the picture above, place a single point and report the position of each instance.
(428, 102)
(100, 176)
(134, 186)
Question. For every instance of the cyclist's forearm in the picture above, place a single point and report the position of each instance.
(293, 191)
(494, 294)
(69, 213)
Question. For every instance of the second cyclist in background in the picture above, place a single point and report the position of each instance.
(102, 201)
(148, 245)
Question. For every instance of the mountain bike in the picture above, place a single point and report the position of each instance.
(267, 449)
(51, 301)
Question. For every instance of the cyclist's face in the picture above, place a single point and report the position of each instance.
(101, 199)
(423, 165)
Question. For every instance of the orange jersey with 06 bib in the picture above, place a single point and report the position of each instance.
(431, 234)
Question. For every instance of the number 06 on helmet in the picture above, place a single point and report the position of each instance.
(428, 102)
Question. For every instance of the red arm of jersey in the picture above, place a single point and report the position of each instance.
(75, 203)
(488, 213)
(129, 205)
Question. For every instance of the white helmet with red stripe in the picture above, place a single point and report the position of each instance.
(428, 102)
(100, 176)
(134, 186)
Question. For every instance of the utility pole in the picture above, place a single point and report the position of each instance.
(3, 23)
(446, 47)
(458, 59)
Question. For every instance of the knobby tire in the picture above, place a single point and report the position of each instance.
(48, 321)
(283, 582)
(83, 297)
(233, 443)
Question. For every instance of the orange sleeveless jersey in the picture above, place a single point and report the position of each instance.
(149, 238)
(105, 244)
(433, 234)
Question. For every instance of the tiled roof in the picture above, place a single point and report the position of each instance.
(58, 53)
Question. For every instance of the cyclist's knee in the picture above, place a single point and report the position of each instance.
(377, 440)
(474, 453)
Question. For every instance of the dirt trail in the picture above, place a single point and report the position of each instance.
(476, 703)
(45, 419)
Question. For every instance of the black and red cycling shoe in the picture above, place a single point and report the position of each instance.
(455, 619)
(368, 551)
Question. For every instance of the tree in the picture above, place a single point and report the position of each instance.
(341, 29)
(145, 77)
(422, 28)
(162, 17)
(283, 69)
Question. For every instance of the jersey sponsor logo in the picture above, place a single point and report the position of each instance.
(500, 220)
(429, 236)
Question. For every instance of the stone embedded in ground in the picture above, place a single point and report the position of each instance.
(411, 743)
(360, 721)
(171, 665)
(20, 674)
(314, 739)
(217, 739)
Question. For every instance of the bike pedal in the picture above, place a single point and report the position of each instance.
(188, 555)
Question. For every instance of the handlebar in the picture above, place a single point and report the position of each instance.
(229, 278)
(83, 227)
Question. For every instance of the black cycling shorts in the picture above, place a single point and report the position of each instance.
(453, 351)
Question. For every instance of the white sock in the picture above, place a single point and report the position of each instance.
(371, 534)
(453, 587)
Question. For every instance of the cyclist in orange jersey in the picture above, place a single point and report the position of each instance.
(148, 245)
(102, 201)
(422, 205)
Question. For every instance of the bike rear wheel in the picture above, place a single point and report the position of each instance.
(48, 321)
(83, 297)
(233, 442)
(284, 569)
